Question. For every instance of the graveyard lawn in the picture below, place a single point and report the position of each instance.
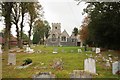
(42, 62)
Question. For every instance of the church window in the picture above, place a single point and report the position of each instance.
(53, 37)
(63, 38)
(73, 40)
(55, 27)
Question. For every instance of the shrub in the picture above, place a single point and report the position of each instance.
(27, 61)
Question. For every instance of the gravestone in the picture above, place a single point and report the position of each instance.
(29, 50)
(79, 50)
(0, 49)
(57, 64)
(103, 59)
(97, 50)
(107, 64)
(55, 51)
(115, 67)
(110, 59)
(41, 75)
(89, 65)
(11, 59)
(93, 49)
(80, 74)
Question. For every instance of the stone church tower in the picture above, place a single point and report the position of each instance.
(54, 38)
(58, 38)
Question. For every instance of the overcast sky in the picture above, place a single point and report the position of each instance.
(68, 13)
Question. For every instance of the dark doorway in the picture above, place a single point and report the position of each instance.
(78, 43)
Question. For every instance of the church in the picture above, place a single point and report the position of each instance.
(58, 38)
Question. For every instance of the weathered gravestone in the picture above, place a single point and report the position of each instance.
(11, 59)
(57, 64)
(41, 75)
(97, 50)
(80, 74)
(29, 50)
(0, 49)
(93, 49)
(89, 65)
(79, 50)
(115, 67)
(55, 51)
(107, 64)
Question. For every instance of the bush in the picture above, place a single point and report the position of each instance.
(27, 61)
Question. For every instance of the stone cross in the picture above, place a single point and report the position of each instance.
(89, 65)
(11, 59)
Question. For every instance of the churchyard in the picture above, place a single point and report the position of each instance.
(58, 62)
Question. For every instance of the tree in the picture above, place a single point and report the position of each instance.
(84, 32)
(41, 30)
(36, 38)
(104, 26)
(33, 9)
(75, 31)
(15, 19)
(6, 12)
(47, 29)
(23, 8)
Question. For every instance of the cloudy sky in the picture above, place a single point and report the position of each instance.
(66, 12)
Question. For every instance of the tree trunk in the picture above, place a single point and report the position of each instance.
(18, 35)
(8, 8)
(21, 32)
(29, 32)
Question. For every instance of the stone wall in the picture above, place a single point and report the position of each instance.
(69, 42)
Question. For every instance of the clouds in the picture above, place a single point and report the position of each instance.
(67, 12)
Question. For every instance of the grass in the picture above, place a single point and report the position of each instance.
(72, 61)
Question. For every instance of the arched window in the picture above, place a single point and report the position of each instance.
(53, 37)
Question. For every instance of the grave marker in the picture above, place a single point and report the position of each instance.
(11, 59)
(80, 74)
(0, 49)
(55, 51)
(97, 50)
(89, 65)
(41, 75)
(93, 49)
(79, 50)
(115, 67)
